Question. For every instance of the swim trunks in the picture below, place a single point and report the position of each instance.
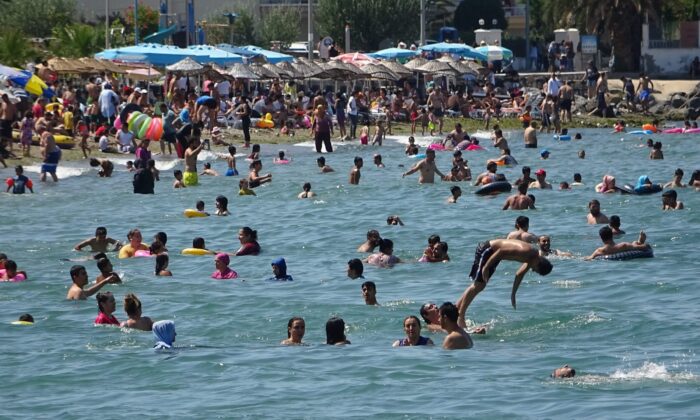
(51, 162)
(5, 129)
(190, 178)
(531, 146)
(566, 104)
(439, 112)
(231, 172)
(481, 255)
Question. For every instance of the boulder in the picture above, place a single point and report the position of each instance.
(694, 102)
(677, 100)
(676, 114)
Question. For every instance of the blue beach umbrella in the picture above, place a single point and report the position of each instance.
(393, 53)
(495, 52)
(463, 50)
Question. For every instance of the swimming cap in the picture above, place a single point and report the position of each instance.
(224, 258)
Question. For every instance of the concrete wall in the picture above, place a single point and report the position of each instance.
(666, 61)
(90, 9)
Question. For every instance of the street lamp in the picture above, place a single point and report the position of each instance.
(482, 22)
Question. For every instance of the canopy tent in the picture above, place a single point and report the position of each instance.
(463, 50)
(393, 53)
(495, 52)
(163, 55)
(272, 57)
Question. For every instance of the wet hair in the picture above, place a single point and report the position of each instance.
(385, 245)
(650, 143)
(102, 264)
(457, 153)
(280, 154)
(132, 304)
(577, 177)
(156, 247)
(433, 239)
(256, 148)
(291, 322)
(532, 197)
(522, 222)
(94, 162)
(232, 150)
(454, 189)
(207, 165)
(373, 233)
(10, 265)
(526, 169)
(198, 243)
(424, 313)
(498, 132)
(100, 230)
(672, 194)
(162, 261)
(131, 233)
(594, 201)
(695, 176)
(200, 205)
(657, 145)
(544, 267)
(177, 173)
(606, 234)
(615, 221)
(102, 298)
(442, 247)
(564, 185)
(378, 157)
(75, 270)
(679, 172)
(162, 237)
(306, 186)
(357, 160)
(491, 165)
(250, 232)
(355, 265)
(412, 317)
(369, 285)
(222, 202)
(321, 161)
(449, 311)
(26, 318)
(522, 188)
(335, 330)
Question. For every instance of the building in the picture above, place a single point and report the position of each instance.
(670, 47)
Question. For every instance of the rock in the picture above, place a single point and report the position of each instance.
(693, 113)
(693, 102)
(659, 108)
(591, 105)
(677, 100)
(695, 92)
(676, 114)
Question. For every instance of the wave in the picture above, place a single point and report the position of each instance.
(649, 371)
(62, 172)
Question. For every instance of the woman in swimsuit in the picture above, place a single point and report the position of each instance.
(411, 325)
(306, 193)
(249, 242)
(295, 332)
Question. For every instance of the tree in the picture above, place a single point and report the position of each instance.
(243, 29)
(147, 19)
(77, 40)
(279, 24)
(36, 18)
(15, 49)
(469, 12)
(373, 21)
(439, 13)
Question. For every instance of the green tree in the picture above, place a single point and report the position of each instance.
(147, 19)
(15, 49)
(36, 18)
(371, 21)
(77, 40)
(279, 24)
(469, 12)
(243, 29)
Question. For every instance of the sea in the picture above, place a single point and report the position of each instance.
(629, 328)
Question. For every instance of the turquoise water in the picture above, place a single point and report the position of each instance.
(629, 328)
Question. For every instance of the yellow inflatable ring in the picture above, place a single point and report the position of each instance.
(196, 251)
(194, 213)
(22, 323)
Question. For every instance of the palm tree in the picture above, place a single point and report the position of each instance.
(15, 49)
(621, 20)
(77, 40)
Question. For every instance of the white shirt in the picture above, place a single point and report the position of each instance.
(352, 106)
(125, 137)
(104, 143)
(553, 86)
(224, 88)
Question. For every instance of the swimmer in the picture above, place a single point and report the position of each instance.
(456, 193)
(199, 205)
(694, 180)
(156, 248)
(457, 337)
(132, 307)
(223, 271)
(526, 178)
(355, 269)
(106, 167)
(544, 154)
(676, 182)
(279, 270)
(412, 327)
(607, 186)
(427, 169)
(369, 293)
(162, 237)
(577, 180)
(178, 183)
(11, 272)
(522, 224)
(130, 166)
(254, 153)
(378, 161)
(79, 277)
(24, 319)
(106, 271)
(411, 148)
(208, 170)
(545, 243)
(244, 188)
(199, 243)
(249, 242)
(578, 136)
(519, 201)
(355, 172)
(610, 247)
(195, 146)
(222, 206)
(306, 191)
(321, 162)
(231, 161)
(373, 241)
(254, 177)
(385, 258)
(161, 269)
(656, 153)
(565, 371)
(669, 201)
(564, 186)
(615, 225)
(135, 244)
(281, 158)
(106, 306)
(439, 253)
(541, 181)
(487, 257)
(394, 220)
(595, 217)
(335, 332)
(100, 242)
(487, 177)
(164, 333)
(296, 327)
(581, 154)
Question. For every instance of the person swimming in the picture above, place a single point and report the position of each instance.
(223, 271)
(279, 269)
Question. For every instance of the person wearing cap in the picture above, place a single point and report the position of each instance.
(216, 137)
(541, 182)
(544, 154)
(279, 269)
(223, 271)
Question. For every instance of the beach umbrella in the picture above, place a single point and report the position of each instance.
(340, 70)
(415, 63)
(354, 58)
(378, 71)
(437, 67)
(143, 74)
(289, 70)
(61, 65)
(460, 66)
(265, 72)
(186, 66)
(495, 52)
(397, 68)
(242, 71)
(393, 53)
(463, 50)
(316, 67)
(305, 70)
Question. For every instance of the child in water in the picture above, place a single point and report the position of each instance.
(222, 206)
(200, 207)
(244, 187)
(208, 170)
(255, 153)
(281, 158)
(411, 149)
(364, 135)
(231, 160)
(379, 133)
(429, 252)
(178, 179)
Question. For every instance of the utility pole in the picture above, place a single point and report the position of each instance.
(106, 24)
(527, 36)
(136, 22)
(422, 22)
(309, 17)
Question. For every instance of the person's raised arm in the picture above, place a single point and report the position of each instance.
(413, 170)
(83, 244)
(97, 286)
(516, 282)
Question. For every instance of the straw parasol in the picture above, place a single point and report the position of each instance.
(415, 63)
(437, 67)
(397, 68)
(305, 70)
(186, 66)
(242, 71)
(265, 72)
(281, 74)
(143, 74)
(378, 71)
(289, 70)
(463, 67)
(340, 70)
(61, 65)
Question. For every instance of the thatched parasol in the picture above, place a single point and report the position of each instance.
(242, 71)
(378, 71)
(437, 67)
(415, 63)
(186, 66)
(306, 71)
(397, 68)
(265, 72)
(290, 71)
(61, 65)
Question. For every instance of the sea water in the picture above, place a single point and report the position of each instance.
(629, 328)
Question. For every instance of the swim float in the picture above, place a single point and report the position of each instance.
(627, 255)
(17, 278)
(22, 323)
(436, 146)
(644, 190)
(143, 253)
(565, 137)
(189, 213)
(281, 161)
(417, 156)
(650, 127)
(641, 132)
(494, 188)
(196, 251)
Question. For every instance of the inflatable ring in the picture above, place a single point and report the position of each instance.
(650, 127)
(281, 162)
(494, 188)
(641, 132)
(18, 277)
(189, 213)
(53, 106)
(135, 123)
(159, 129)
(417, 156)
(676, 130)
(22, 323)
(143, 253)
(437, 147)
(565, 137)
(132, 116)
(627, 255)
(645, 190)
(143, 129)
(196, 251)
(692, 131)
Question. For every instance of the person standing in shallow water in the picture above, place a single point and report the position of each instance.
(412, 327)
(296, 327)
